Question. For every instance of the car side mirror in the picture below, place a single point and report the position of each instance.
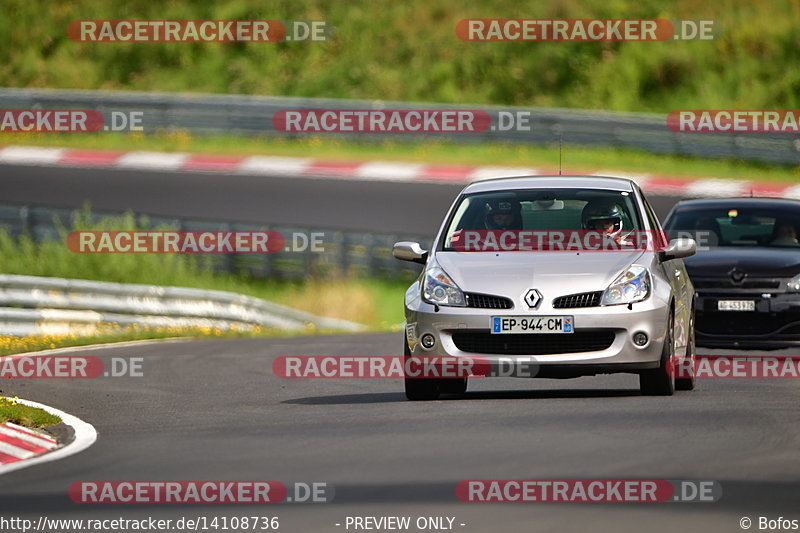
(410, 251)
(678, 249)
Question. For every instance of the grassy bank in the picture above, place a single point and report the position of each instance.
(410, 51)
(17, 413)
(576, 158)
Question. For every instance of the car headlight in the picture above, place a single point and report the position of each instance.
(439, 289)
(794, 284)
(631, 286)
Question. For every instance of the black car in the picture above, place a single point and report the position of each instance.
(746, 272)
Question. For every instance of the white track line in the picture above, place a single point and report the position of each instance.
(90, 347)
(716, 187)
(273, 166)
(31, 155)
(389, 171)
(152, 160)
(483, 173)
(792, 192)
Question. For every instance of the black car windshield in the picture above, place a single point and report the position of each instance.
(737, 226)
(542, 210)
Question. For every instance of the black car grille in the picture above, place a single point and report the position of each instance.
(584, 299)
(729, 284)
(534, 343)
(488, 301)
(738, 323)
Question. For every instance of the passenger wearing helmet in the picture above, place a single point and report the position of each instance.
(504, 215)
(603, 217)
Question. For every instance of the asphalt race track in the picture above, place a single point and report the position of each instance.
(213, 409)
(386, 207)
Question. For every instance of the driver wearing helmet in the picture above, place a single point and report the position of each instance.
(504, 215)
(603, 217)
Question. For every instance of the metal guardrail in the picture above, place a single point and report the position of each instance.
(31, 305)
(252, 115)
(348, 253)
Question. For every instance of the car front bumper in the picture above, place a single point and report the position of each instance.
(774, 324)
(451, 325)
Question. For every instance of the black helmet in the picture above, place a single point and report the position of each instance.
(594, 212)
(504, 207)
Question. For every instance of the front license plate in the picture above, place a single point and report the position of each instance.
(532, 324)
(736, 305)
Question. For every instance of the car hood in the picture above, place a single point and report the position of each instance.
(755, 262)
(552, 273)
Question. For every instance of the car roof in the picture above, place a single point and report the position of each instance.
(741, 201)
(550, 182)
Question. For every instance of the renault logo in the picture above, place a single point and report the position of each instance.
(532, 298)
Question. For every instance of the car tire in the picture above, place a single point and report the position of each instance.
(661, 381)
(691, 354)
(420, 389)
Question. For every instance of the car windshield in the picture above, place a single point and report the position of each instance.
(542, 210)
(737, 226)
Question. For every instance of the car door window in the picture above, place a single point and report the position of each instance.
(659, 238)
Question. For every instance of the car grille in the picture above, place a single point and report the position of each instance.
(728, 284)
(584, 299)
(746, 323)
(532, 343)
(488, 301)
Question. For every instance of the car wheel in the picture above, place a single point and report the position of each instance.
(661, 381)
(691, 353)
(420, 389)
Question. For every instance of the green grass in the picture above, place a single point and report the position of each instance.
(410, 51)
(575, 158)
(16, 413)
(376, 303)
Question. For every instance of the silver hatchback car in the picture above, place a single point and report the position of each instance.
(552, 270)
